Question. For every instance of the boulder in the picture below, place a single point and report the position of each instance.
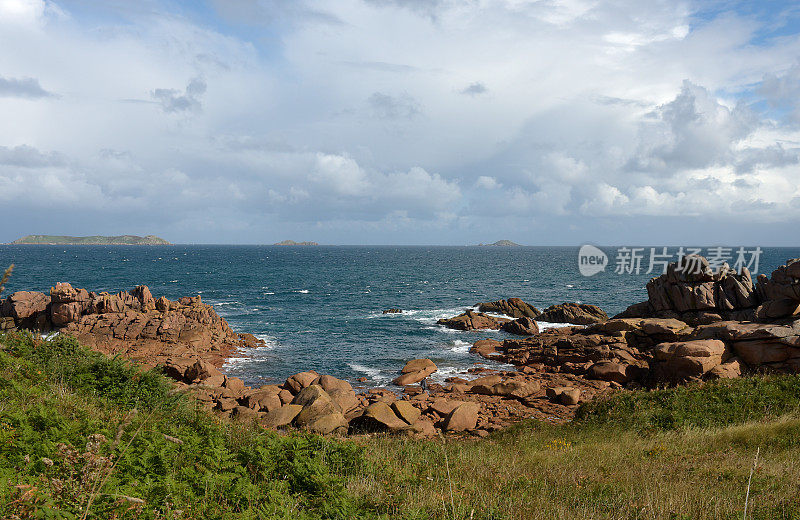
(680, 361)
(766, 351)
(327, 424)
(463, 417)
(392, 311)
(22, 305)
(515, 388)
(471, 320)
(575, 313)
(299, 381)
(234, 384)
(443, 407)
(282, 416)
(379, 416)
(316, 403)
(244, 414)
(774, 309)
(263, 401)
(521, 326)
(340, 391)
(731, 369)
(486, 347)
(511, 388)
(565, 395)
(415, 371)
(406, 411)
(514, 307)
(614, 372)
(202, 371)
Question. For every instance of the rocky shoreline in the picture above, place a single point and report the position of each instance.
(696, 325)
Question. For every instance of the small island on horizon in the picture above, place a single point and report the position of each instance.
(96, 240)
(501, 243)
(293, 243)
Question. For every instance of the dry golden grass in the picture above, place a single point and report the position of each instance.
(545, 472)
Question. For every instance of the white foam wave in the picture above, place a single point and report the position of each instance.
(302, 291)
(377, 375)
(544, 325)
(459, 346)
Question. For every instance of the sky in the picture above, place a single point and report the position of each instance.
(548, 122)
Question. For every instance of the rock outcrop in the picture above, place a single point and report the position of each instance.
(471, 320)
(514, 307)
(573, 313)
(130, 323)
(692, 292)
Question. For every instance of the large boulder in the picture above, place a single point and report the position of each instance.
(320, 414)
(282, 416)
(463, 417)
(299, 381)
(379, 416)
(471, 320)
(617, 372)
(574, 313)
(514, 307)
(486, 347)
(566, 395)
(22, 305)
(415, 371)
(340, 391)
(521, 326)
(684, 360)
(406, 411)
(265, 400)
(204, 372)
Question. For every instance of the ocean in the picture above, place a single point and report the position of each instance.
(320, 307)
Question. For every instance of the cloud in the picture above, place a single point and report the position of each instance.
(692, 131)
(783, 91)
(474, 89)
(29, 157)
(173, 101)
(385, 106)
(358, 121)
(22, 88)
(486, 182)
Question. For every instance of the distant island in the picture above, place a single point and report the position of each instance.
(122, 240)
(502, 243)
(293, 243)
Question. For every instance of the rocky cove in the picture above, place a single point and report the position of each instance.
(695, 325)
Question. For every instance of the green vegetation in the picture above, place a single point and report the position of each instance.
(78, 429)
(122, 240)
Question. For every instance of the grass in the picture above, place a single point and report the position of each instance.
(76, 427)
(683, 453)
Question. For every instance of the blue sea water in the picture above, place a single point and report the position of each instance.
(321, 307)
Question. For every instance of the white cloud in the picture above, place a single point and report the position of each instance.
(396, 115)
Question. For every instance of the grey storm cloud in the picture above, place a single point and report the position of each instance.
(474, 89)
(172, 100)
(385, 106)
(22, 88)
